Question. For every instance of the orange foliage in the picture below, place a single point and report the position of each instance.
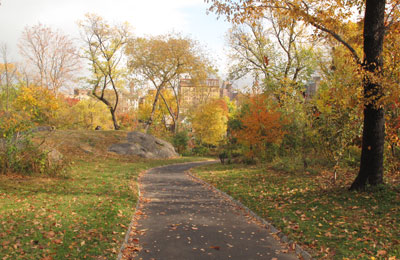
(260, 126)
(392, 124)
(128, 120)
(71, 101)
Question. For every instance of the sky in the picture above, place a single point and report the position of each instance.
(147, 17)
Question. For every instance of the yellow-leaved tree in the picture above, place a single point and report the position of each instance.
(162, 122)
(104, 50)
(83, 114)
(209, 122)
(161, 62)
(38, 102)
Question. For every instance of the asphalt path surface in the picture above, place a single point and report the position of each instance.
(182, 219)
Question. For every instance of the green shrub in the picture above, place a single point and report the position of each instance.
(180, 141)
(201, 150)
(19, 154)
(352, 156)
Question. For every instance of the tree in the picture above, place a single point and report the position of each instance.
(251, 51)
(161, 120)
(328, 17)
(371, 167)
(52, 56)
(254, 51)
(162, 60)
(38, 103)
(105, 49)
(215, 113)
(259, 126)
(8, 74)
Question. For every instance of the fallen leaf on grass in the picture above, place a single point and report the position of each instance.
(57, 241)
(51, 234)
(381, 253)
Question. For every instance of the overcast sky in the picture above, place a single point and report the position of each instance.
(147, 17)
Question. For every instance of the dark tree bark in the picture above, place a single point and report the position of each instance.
(371, 166)
(153, 110)
(110, 107)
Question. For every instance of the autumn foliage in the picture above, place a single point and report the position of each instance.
(260, 126)
(38, 102)
(209, 122)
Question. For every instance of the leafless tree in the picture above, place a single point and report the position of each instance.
(8, 73)
(52, 56)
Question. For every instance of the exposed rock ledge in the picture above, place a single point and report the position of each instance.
(144, 145)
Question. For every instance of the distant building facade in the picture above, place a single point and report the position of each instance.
(312, 87)
(228, 91)
(192, 94)
(126, 99)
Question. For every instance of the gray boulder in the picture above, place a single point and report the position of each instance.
(144, 145)
(43, 128)
(54, 157)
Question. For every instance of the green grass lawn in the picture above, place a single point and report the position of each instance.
(327, 220)
(82, 216)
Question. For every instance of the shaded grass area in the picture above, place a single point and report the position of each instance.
(326, 219)
(82, 216)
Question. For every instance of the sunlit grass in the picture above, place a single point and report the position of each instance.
(327, 220)
(82, 216)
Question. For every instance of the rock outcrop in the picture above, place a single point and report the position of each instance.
(144, 145)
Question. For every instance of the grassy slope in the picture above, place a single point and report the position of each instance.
(80, 216)
(328, 220)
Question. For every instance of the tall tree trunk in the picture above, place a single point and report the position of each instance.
(371, 166)
(114, 119)
(110, 107)
(153, 110)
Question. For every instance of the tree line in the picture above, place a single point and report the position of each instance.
(321, 86)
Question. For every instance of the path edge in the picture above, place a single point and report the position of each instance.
(283, 238)
(128, 232)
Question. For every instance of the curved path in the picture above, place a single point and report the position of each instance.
(182, 219)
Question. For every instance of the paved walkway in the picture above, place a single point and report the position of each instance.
(183, 220)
